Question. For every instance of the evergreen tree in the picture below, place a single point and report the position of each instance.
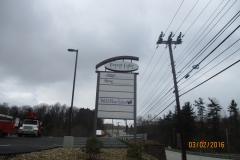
(201, 113)
(234, 116)
(214, 118)
(188, 121)
(201, 108)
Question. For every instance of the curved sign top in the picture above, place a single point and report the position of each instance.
(121, 66)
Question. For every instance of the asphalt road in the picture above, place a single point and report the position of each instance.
(177, 156)
(16, 145)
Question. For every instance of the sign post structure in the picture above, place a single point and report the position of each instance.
(116, 91)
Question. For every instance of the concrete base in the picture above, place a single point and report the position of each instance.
(68, 142)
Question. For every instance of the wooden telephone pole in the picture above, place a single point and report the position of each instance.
(169, 42)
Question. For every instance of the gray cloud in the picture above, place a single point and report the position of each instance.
(37, 68)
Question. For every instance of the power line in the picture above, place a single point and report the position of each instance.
(153, 78)
(148, 100)
(163, 110)
(174, 16)
(197, 86)
(157, 103)
(186, 16)
(152, 71)
(197, 18)
(150, 95)
(211, 61)
(214, 38)
(211, 77)
(147, 65)
(205, 34)
(158, 97)
(211, 51)
(197, 34)
(210, 69)
(218, 45)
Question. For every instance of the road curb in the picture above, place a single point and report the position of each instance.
(208, 154)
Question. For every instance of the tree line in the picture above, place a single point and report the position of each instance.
(55, 118)
(202, 122)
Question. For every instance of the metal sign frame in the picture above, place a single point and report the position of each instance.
(134, 92)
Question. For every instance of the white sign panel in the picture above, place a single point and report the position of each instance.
(114, 75)
(117, 82)
(115, 115)
(121, 66)
(114, 108)
(116, 101)
(116, 88)
(116, 95)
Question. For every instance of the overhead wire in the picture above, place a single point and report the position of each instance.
(212, 50)
(197, 34)
(153, 78)
(212, 38)
(147, 65)
(186, 17)
(162, 103)
(168, 91)
(210, 62)
(152, 71)
(210, 69)
(163, 110)
(196, 18)
(218, 45)
(161, 80)
(157, 88)
(157, 103)
(164, 90)
(197, 86)
(174, 17)
(221, 33)
(210, 77)
(205, 34)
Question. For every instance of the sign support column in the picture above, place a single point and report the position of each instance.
(135, 108)
(96, 107)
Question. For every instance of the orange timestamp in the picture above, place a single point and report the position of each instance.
(203, 144)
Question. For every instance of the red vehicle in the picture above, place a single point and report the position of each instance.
(8, 125)
(31, 125)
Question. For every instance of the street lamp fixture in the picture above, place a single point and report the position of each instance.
(72, 50)
(70, 113)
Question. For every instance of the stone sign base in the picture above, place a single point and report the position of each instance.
(68, 142)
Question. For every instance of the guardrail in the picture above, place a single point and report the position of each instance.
(142, 136)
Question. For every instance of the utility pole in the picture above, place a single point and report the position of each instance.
(227, 142)
(118, 129)
(169, 42)
(112, 127)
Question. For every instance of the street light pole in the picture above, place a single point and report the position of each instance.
(70, 113)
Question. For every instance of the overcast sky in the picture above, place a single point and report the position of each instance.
(35, 66)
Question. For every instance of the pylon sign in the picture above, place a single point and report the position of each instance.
(116, 95)
(116, 89)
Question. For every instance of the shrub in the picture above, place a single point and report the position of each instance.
(93, 147)
(134, 151)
